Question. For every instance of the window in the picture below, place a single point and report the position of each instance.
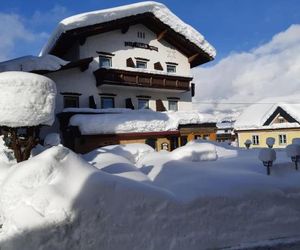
(174, 142)
(104, 62)
(141, 64)
(255, 139)
(143, 104)
(184, 140)
(205, 137)
(141, 35)
(282, 139)
(197, 137)
(71, 101)
(107, 102)
(171, 68)
(281, 119)
(173, 105)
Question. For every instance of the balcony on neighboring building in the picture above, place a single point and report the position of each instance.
(109, 76)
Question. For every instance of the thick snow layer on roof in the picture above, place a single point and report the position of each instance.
(57, 200)
(33, 63)
(159, 10)
(257, 114)
(136, 121)
(26, 99)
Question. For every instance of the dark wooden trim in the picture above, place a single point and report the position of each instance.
(142, 59)
(172, 63)
(143, 96)
(173, 98)
(110, 76)
(158, 66)
(283, 113)
(105, 53)
(201, 125)
(70, 93)
(162, 34)
(107, 94)
(68, 38)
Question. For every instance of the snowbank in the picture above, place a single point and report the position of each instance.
(26, 99)
(136, 121)
(194, 151)
(52, 139)
(57, 200)
(159, 10)
(33, 63)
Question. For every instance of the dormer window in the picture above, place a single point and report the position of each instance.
(105, 62)
(141, 34)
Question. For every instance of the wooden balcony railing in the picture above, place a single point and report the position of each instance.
(141, 79)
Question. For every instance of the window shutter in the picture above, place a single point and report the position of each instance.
(193, 89)
(158, 66)
(128, 103)
(160, 106)
(92, 103)
(130, 63)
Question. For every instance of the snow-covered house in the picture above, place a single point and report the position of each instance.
(225, 132)
(133, 57)
(273, 117)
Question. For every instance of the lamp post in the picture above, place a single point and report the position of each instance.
(293, 152)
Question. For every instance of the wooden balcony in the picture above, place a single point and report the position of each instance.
(108, 76)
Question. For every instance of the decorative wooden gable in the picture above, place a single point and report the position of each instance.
(280, 116)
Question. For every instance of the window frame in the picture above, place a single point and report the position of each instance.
(255, 139)
(282, 139)
(107, 97)
(74, 97)
(143, 99)
(105, 57)
(172, 101)
(141, 62)
(171, 66)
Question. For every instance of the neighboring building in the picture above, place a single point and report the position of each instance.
(135, 57)
(272, 117)
(225, 132)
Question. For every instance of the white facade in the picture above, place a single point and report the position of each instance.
(84, 83)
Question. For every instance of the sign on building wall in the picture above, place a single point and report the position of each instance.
(141, 45)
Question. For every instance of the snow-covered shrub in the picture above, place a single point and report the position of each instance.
(196, 151)
(52, 139)
(296, 141)
(267, 156)
(293, 152)
(248, 143)
(270, 142)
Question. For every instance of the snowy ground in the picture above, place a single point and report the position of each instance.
(201, 196)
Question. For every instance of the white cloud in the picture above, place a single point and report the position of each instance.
(20, 36)
(272, 69)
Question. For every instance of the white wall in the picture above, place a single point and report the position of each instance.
(113, 42)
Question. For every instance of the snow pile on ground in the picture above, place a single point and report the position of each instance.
(159, 10)
(57, 200)
(194, 151)
(52, 139)
(26, 99)
(136, 121)
(33, 63)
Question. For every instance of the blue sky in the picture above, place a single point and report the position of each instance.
(230, 25)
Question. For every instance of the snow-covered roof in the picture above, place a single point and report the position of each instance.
(159, 10)
(33, 63)
(255, 116)
(136, 121)
(26, 99)
(225, 125)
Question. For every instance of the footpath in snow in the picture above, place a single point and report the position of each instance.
(200, 196)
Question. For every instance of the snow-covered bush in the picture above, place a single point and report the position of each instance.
(296, 141)
(196, 151)
(52, 139)
(267, 156)
(27, 101)
(248, 143)
(270, 142)
(293, 152)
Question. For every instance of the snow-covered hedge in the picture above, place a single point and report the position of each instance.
(26, 99)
